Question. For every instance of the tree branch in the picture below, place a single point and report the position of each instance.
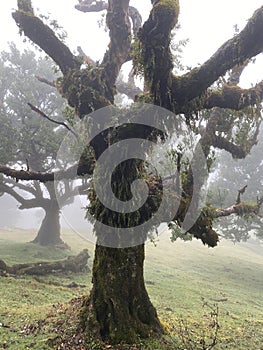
(236, 72)
(240, 209)
(43, 36)
(46, 81)
(233, 97)
(222, 143)
(83, 168)
(241, 191)
(7, 189)
(71, 263)
(90, 6)
(120, 38)
(136, 19)
(42, 114)
(248, 43)
(24, 203)
(129, 88)
(86, 59)
(154, 57)
(218, 122)
(27, 188)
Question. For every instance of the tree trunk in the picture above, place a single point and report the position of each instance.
(49, 232)
(119, 305)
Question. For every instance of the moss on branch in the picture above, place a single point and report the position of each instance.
(247, 44)
(234, 97)
(154, 56)
(44, 37)
(25, 5)
(86, 90)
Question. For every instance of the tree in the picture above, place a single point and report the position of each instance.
(36, 139)
(119, 306)
(231, 177)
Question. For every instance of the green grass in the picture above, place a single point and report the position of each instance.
(180, 278)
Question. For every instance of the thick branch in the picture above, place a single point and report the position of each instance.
(44, 37)
(234, 97)
(24, 203)
(120, 38)
(240, 209)
(90, 6)
(248, 43)
(218, 121)
(86, 59)
(46, 81)
(27, 188)
(203, 227)
(155, 58)
(222, 143)
(129, 88)
(7, 189)
(83, 168)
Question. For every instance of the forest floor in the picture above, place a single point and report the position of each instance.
(197, 291)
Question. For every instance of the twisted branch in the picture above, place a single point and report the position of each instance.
(247, 44)
(43, 36)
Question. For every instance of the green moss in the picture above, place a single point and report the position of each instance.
(246, 209)
(166, 13)
(25, 6)
(153, 56)
(86, 90)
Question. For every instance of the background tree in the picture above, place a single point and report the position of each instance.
(231, 175)
(118, 306)
(27, 139)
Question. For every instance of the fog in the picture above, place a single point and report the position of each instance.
(72, 216)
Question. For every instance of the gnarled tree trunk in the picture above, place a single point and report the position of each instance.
(49, 231)
(119, 305)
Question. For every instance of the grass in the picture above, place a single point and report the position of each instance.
(186, 282)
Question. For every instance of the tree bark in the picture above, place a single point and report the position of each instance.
(119, 305)
(49, 231)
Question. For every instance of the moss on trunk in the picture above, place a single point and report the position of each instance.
(119, 305)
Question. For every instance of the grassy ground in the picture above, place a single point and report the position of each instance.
(186, 281)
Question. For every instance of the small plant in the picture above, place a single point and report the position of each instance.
(205, 336)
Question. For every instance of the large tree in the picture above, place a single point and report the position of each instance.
(119, 306)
